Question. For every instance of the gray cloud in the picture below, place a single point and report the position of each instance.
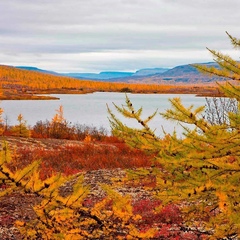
(95, 35)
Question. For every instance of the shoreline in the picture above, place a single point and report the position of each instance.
(199, 92)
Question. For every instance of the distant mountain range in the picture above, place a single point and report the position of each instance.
(101, 75)
(116, 75)
(178, 74)
(150, 71)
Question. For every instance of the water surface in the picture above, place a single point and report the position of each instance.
(91, 110)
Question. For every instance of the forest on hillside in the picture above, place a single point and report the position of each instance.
(24, 84)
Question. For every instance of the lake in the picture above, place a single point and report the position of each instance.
(91, 110)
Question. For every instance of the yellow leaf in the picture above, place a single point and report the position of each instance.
(222, 200)
(19, 223)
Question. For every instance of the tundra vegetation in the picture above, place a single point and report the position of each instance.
(193, 180)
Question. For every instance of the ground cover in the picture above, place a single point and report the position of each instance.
(100, 163)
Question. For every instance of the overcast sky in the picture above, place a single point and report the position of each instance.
(115, 35)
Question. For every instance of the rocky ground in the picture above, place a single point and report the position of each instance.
(18, 206)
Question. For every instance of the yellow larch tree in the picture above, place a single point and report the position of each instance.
(200, 171)
(21, 129)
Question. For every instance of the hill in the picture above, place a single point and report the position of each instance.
(37, 70)
(185, 74)
(99, 76)
(149, 71)
(18, 83)
(116, 76)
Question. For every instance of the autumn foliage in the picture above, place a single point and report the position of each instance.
(23, 84)
(75, 158)
(78, 216)
(192, 181)
(200, 171)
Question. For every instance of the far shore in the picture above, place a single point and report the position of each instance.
(200, 91)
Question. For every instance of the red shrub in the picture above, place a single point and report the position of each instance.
(70, 159)
(171, 214)
(168, 220)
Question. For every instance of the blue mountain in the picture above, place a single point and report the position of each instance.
(149, 71)
(184, 73)
(37, 70)
(100, 76)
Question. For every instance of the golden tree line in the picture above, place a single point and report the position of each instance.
(15, 81)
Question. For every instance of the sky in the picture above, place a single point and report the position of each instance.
(115, 35)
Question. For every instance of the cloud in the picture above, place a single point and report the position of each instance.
(82, 35)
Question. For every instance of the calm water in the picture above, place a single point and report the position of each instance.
(90, 109)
